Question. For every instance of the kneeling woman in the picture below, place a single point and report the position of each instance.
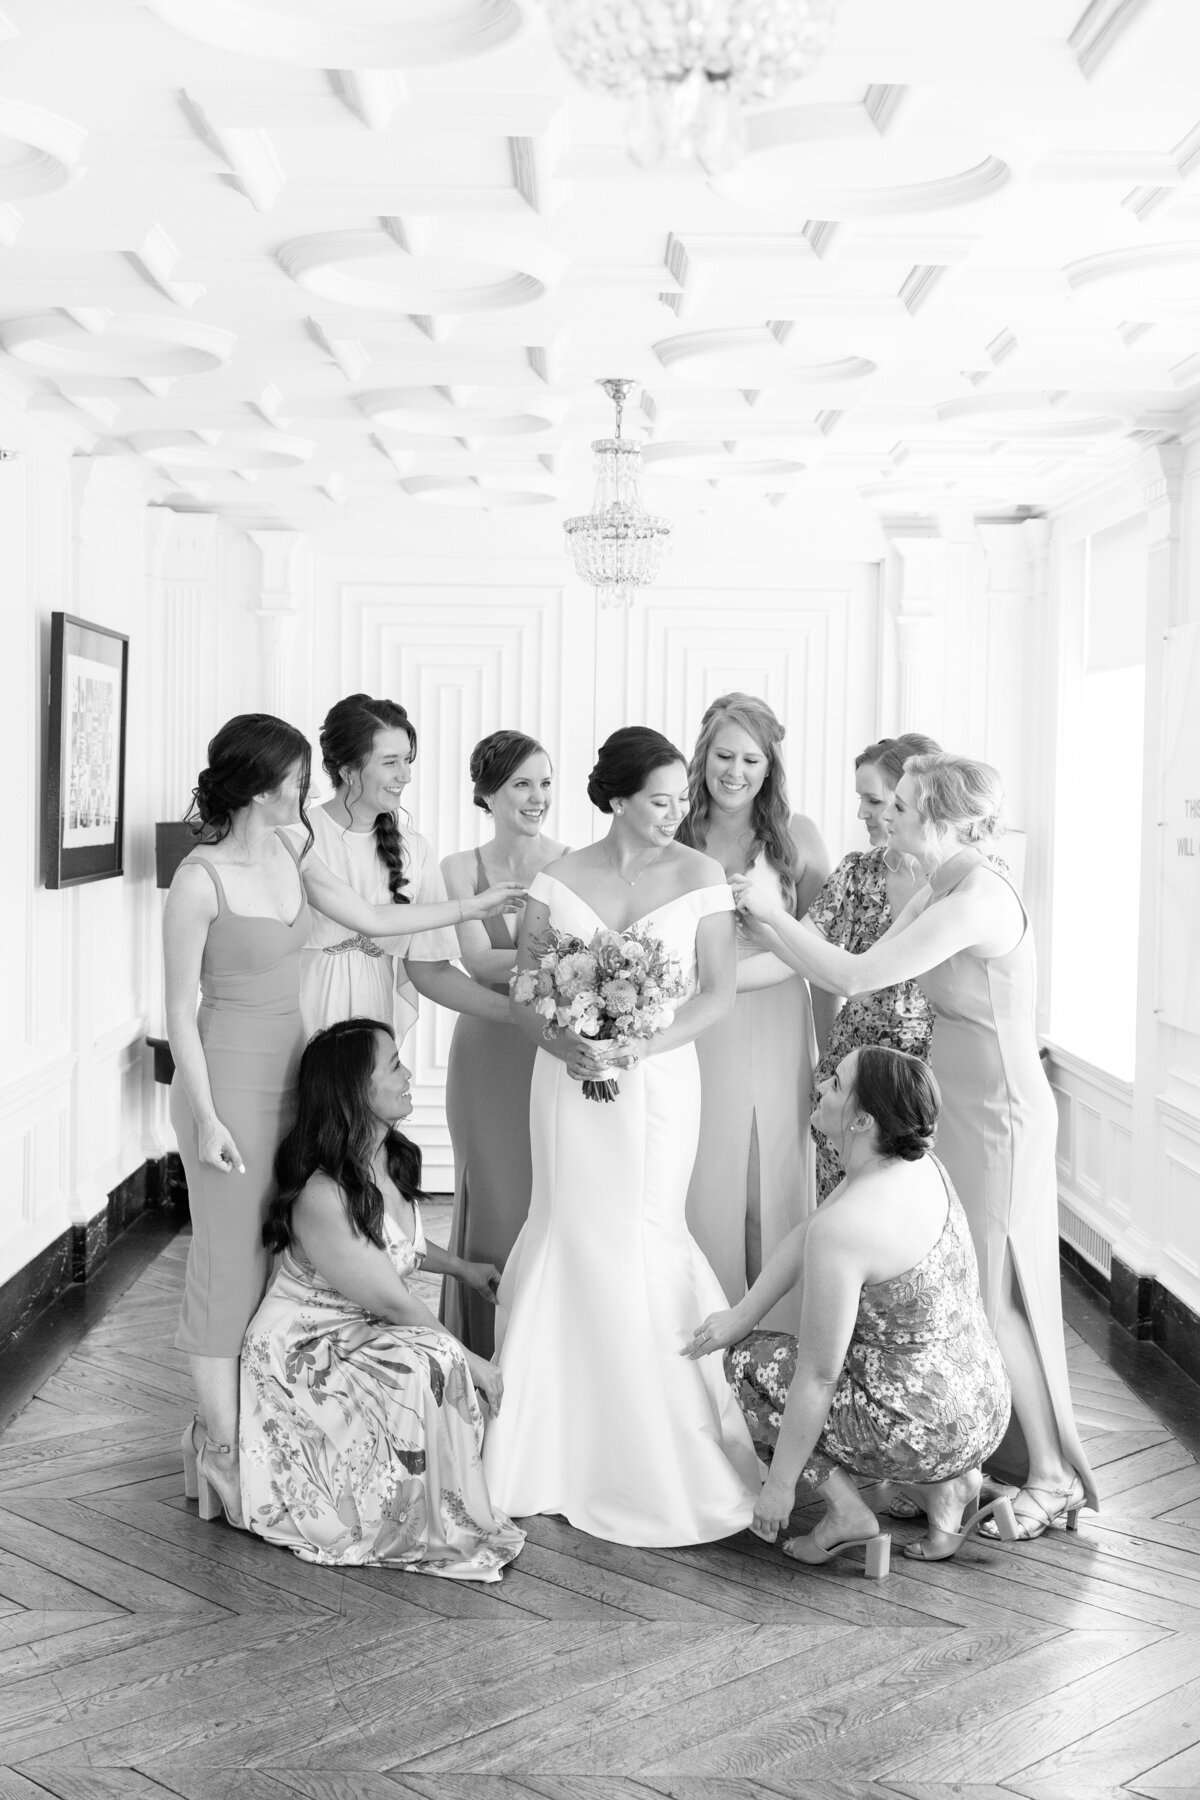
(895, 1375)
(361, 1428)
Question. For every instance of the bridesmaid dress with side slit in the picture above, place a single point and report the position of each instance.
(753, 1179)
(487, 1109)
(997, 1134)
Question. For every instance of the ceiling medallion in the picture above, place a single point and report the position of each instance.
(346, 34)
(99, 342)
(689, 66)
(618, 547)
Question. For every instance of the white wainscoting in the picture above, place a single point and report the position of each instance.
(1095, 1157)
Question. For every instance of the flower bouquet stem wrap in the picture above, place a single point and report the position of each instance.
(619, 989)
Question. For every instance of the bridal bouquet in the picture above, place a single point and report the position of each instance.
(617, 989)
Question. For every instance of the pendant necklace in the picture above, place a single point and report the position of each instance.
(636, 878)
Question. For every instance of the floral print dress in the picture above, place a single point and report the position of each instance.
(360, 1440)
(852, 911)
(923, 1394)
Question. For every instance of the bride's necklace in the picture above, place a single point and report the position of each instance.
(632, 880)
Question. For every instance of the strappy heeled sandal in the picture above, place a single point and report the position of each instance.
(1036, 1522)
(877, 1548)
(1000, 1511)
(188, 1450)
(218, 1489)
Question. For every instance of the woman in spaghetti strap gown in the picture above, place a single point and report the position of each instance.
(236, 920)
(367, 751)
(753, 1179)
(867, 890)
(966, 937)
(605, 1420)
(491, 1064)
(361, 1427)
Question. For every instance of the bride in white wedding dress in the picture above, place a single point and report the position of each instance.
(604, 1418)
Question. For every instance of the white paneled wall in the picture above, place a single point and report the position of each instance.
(468, 648)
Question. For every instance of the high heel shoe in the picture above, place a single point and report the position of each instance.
(877, 1547)
(189, 1453)
(1035, 1523)
(1000, 1510)
(218, 1489)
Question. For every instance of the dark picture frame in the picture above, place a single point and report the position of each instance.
(83, 822)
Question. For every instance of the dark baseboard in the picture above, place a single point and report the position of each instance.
(1142, 1307)
(78, 1254)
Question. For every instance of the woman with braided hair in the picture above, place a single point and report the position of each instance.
(367, 751)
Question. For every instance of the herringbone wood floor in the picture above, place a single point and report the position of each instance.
(143, 1653)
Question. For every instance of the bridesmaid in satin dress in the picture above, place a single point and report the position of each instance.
(753, 1179)
(967, 938)
(491, 1064)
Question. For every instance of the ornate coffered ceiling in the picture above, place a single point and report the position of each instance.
(317, 261)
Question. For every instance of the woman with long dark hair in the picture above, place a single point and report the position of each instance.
(868, 889)
(605, 1420)
(362, 1416)
(491, 1064)
(752, 1182)
(367, 750)
(237, 918)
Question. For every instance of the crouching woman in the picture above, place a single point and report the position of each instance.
(895, 1375)
(362, 1417)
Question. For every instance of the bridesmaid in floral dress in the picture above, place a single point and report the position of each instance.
(867, 890)
(362, 1417)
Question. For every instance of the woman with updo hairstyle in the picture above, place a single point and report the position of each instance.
(895, 1375)
(867, 890)
(604, 1419)
(236, 922)
(966, 938)
(491, 1061)
(753, 1179)
(368, 748)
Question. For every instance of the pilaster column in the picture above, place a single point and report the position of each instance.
(913, 594)
(283, 599)
(182, 573)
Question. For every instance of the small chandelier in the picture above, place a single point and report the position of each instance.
(618, 546)
(689, 66)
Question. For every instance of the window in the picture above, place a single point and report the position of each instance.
(1098, 812)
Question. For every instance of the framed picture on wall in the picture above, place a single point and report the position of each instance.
(84, 820)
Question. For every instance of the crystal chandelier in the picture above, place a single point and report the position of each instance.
(689, 66)
(618, 546)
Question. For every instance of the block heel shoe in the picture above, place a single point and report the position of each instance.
(1001, 1511)
(877, 1559)
(189, 1452)
(219, 1491)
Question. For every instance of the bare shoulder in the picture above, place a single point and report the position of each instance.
(701, 869)
(320, 1200)
(458, 867)
(806, 838)
(192, 889)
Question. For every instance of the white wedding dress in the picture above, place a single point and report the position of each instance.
(603, 1418)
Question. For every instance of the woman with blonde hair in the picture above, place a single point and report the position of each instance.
(966, 938)
(753, 1178)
